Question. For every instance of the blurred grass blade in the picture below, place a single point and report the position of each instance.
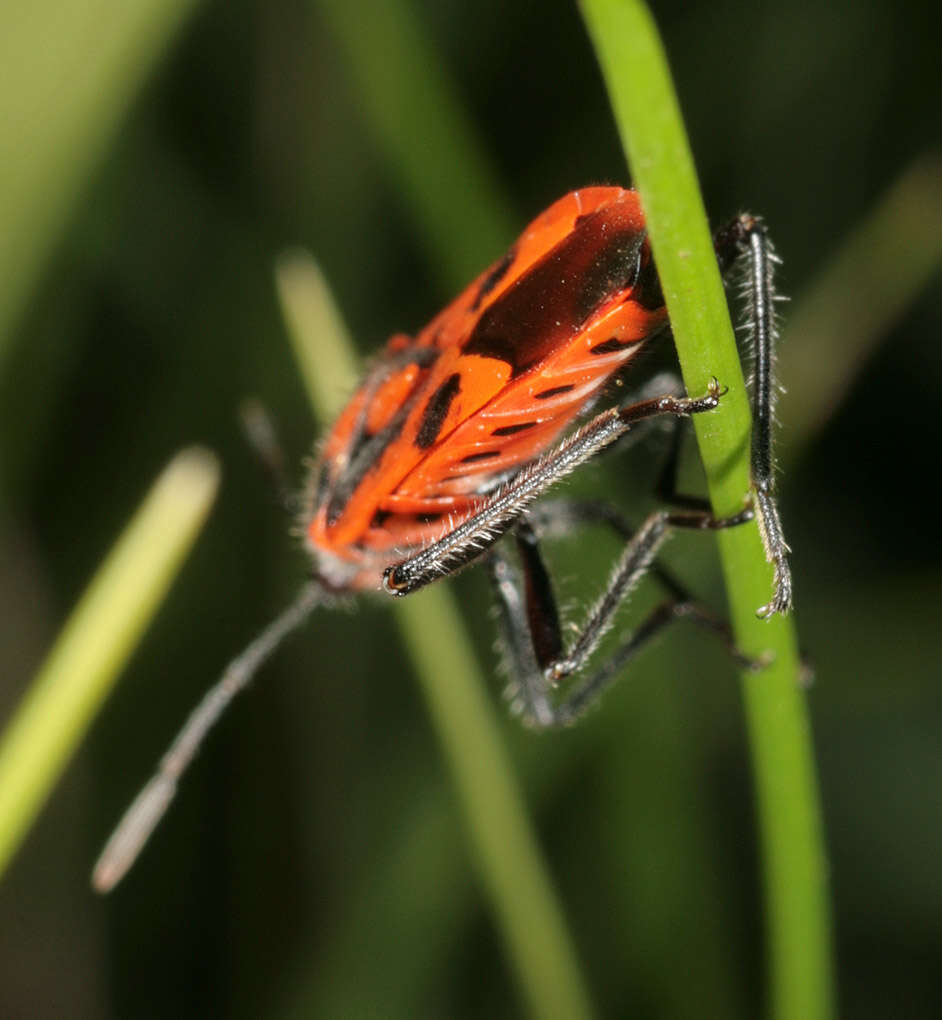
(98, 638)
(831, 332)
(70, 71)
(646, 111)
(414, 112)
(506, 849)
(313, 321)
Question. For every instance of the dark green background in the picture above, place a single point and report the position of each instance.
(315, 864)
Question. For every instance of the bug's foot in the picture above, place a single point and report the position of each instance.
(686, 406)
(781, 601)
(709, 402)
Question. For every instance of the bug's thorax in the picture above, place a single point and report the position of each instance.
(486, 387)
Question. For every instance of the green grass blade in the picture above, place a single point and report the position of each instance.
(314, 322)
(416, 117)
(98, 639)
(505, 846)
(70, 71)
(648, 118)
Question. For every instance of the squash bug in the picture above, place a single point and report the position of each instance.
(454, 434)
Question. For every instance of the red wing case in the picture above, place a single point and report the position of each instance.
(488, 386)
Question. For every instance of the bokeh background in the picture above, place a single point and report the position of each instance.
(316, 863)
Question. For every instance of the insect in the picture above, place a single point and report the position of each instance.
(455, 433)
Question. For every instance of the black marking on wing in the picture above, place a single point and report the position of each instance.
(512, 430)
(367, 456)
(493, 278)
(613, 345)
(382, 517)
(545, 307)
(365, 449)
(384, 369)
(615, 268)
(553, 391)
(647, 288)
(473, 458)
(436, 411)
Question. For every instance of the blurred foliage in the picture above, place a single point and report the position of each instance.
(315, 864)
(98, 639)
(68, 80)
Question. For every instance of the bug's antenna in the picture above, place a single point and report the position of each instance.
(150, 805)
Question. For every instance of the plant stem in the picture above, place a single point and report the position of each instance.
(649, 122)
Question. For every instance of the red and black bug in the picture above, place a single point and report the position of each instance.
(455, 433)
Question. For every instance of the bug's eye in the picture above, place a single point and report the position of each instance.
(394, 581)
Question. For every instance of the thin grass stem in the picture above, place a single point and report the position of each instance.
(794, 865)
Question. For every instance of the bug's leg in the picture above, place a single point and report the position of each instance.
(634, 563)
(746, 236)
(532, 636)
(528, 690)
(499, 512)
(666, 487)
(556, 518)
(530, 622)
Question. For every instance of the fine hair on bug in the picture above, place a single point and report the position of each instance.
(443, 454)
